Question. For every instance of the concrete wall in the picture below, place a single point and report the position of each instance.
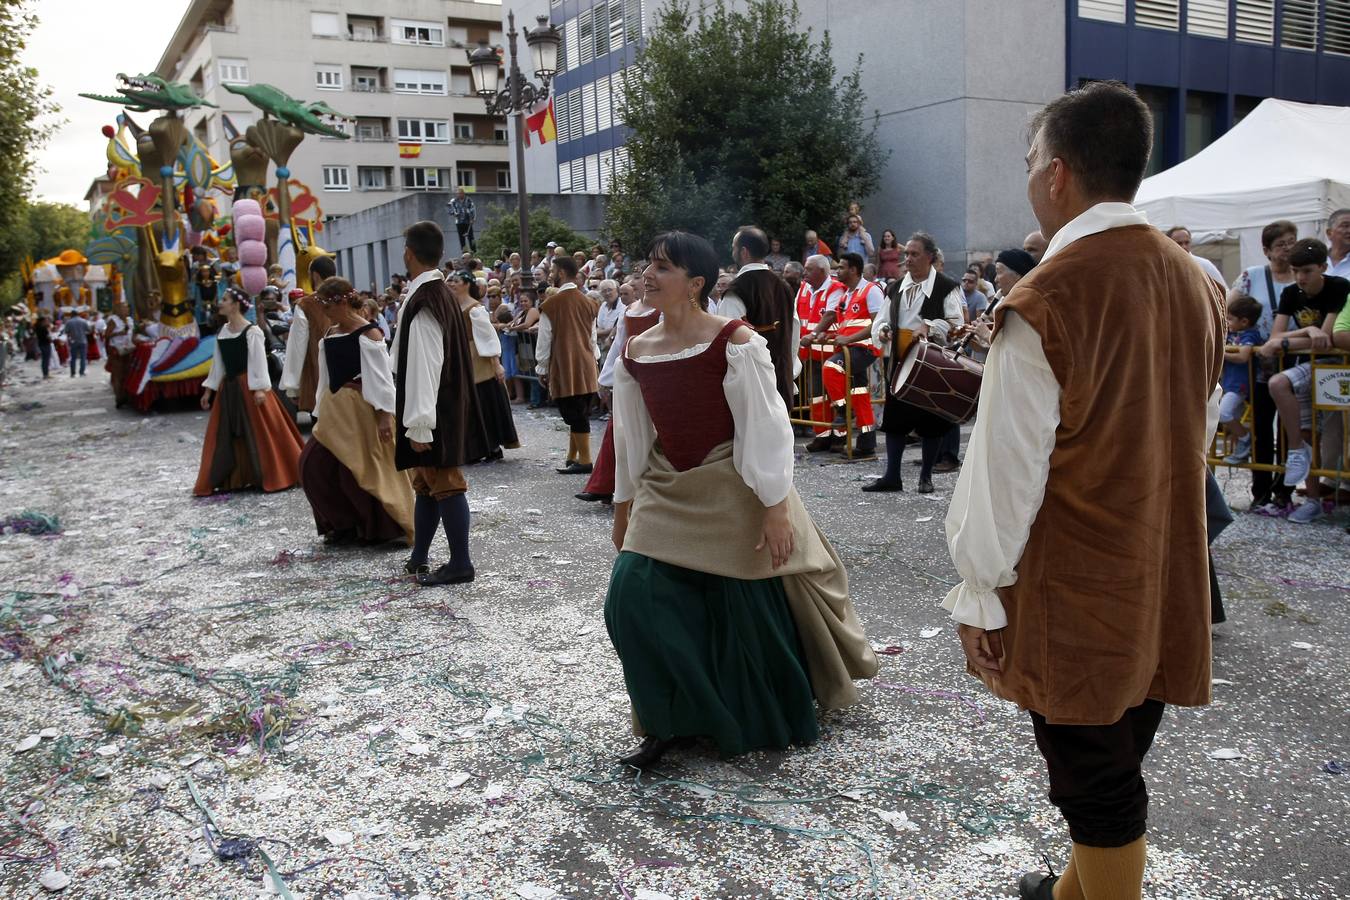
(369, 243)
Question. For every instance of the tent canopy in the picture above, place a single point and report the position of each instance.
(1285, 160)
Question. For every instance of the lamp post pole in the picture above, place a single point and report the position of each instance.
(514, 99)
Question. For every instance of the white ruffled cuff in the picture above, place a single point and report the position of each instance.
(421, 434)
(971, 606)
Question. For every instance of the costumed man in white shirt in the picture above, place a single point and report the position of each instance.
(924, 305)
(760, 298)
(1085, 591)
(439, 428)
(309, 324)
(566, 359)
(1182, 235)
(859, 304)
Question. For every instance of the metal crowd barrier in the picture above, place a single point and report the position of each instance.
(1330, 398)
(811, 381)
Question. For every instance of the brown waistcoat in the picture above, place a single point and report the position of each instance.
(483, 369)
(317, 317)
(572, 368)
(1111, 604)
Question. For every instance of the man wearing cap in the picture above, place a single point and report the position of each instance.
(309, 324)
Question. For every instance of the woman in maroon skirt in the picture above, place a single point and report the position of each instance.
(251, 442)
(347, 469)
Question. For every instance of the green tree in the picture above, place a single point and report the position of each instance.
(740, 117)
(52, 227)
(23, 103)
(502, 235)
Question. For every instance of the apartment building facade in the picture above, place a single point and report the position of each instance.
(399, 70)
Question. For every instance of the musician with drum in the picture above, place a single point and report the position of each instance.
(925, 305)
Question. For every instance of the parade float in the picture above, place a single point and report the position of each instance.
(177, 227)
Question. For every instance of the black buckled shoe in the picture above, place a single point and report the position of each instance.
(882, 485)
(822, 444)
(446, 575)
(588, 497)
(925, 486)
(650, 751)
(575, 468)
(1037, 886)
(409, 568)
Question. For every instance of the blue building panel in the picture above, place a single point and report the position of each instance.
(1200, 67)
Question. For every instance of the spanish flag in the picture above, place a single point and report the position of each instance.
(409, 151)
(541, 124)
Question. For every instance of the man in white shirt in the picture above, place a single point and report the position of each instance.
(118, 334)
(927, 305)
(566, 359)
(858, 306)
(1085, 591)
(607, 319)
(1338, 243)
(1182, 235)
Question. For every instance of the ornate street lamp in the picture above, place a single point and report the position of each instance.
(513, 98)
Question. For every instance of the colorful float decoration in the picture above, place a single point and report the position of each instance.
(178, 227)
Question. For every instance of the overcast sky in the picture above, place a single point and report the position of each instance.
(81, 45)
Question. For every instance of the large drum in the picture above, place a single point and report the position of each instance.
(943, 382)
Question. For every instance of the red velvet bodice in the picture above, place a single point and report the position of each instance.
(686, 402)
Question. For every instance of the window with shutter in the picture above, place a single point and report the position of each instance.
(1337, 37)
(1102, 10)
(600, 22)
(615, 24)
(632, 20)
(574, 113)
(572, 43)
(233, 71)
(324, 24)
(1254, 21)
(604, 110)
(1165, 14)
(586, 36)
(1207, 17)
(419, 81)
(1298, 24)
(564, 178)
(588, 108)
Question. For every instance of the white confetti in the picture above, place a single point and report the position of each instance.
(419, 749)
(535, 892)
(160, 781)
(898, 820)
(338, 838)
(54, 880)
(930, 633)
(1301, 645)
(644, 894)
(924, 519)
(1220, 681)
(28, 743)
(106, 750)
(1225, 753)
(857, 794)
(996, 847)
(494, 792)
(459, 779)
(108, 862)
(191, 760)
(48, 733)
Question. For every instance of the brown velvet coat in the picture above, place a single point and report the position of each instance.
(1111, 604)
(572, 369)
(319, 323)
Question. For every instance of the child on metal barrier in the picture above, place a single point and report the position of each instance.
(1243, 339)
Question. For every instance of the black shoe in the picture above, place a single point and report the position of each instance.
(925, 486)
(1037, 886)
(650, 751)
(821, 444)
(446, 575)
(946, 465)
(410, 568)
(593, 498)
(882, 485)
(865, 447)
(575, 468)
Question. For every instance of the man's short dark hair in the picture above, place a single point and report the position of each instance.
(426, 242)
(1103, 132)
(1175, 228)
(567, 265)
(752, 240)
(853, 261)
(1337, 216)
(1244, 307)
(1308, 252)
(929, 245)
(1276, 230)
(324, 267)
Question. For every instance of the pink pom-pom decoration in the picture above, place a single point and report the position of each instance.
(252, 253)
(254, 279)
(249, 228)
(246, 208)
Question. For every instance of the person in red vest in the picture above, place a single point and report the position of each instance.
(817, 298)
(858, 302)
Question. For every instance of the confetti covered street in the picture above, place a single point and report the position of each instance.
(205, 701)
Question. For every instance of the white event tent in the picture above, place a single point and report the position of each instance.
(1284, 160)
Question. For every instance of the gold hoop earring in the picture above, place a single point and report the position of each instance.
(693, 301)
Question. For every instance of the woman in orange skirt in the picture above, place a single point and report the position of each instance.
(250, 440)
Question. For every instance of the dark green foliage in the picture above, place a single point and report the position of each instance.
(23, 102)
(739, 117)
(502, 235)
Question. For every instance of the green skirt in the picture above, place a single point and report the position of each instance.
(708, 656)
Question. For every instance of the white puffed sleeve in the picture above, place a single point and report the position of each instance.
(1002, 481)
(321, 385)
(258, 377)
(217, 373)
(485, 339)
(297, 346)
(426, 355)
(377, 382)
(615, 346)
(762, 450)
(634, 433)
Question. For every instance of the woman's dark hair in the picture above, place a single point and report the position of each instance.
(1308, 252)
(339, 290)
(1276, 230)
(895, 241)
(691, 253)
(241, 298)
(466, 278)
(1245, 308)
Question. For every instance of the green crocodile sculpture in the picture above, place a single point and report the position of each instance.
(312, 118)
(146, 93)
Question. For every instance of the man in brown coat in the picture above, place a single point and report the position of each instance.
(565, 359)
(309, 324)
(1085, 597)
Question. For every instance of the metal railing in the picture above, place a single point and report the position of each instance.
(1330, 366)
(811, 391)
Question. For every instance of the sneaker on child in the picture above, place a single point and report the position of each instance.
(1241, 451)
(1297, 466)
(1307, 511)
